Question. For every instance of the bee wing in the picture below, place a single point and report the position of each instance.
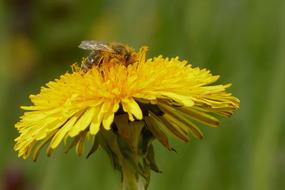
(95, 45)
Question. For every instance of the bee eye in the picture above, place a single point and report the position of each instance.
(127, 57)
(119, 49)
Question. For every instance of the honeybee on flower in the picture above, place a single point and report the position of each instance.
(105, 53)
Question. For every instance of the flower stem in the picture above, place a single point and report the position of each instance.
(130, 179)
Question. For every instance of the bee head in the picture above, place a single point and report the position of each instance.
(120, 49)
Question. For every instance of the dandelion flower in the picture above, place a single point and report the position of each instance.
(122, 109)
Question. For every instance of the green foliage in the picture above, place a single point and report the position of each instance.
(243, 41)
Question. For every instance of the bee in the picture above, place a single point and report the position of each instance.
(107, 52)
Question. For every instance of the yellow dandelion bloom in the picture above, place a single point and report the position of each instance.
(158, 96)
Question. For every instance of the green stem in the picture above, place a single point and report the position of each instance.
(130, 178)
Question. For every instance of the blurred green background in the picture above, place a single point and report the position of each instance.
(241, 40)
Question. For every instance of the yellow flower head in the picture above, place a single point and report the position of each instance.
(158, 95)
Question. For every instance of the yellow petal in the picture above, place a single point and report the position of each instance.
(42, 132)
(83, 122)
(109, 115)
(108, 120)
(62, 132)
(108, 109)
(94, 128)
(96, 121)
(40, 146)
(132, 107)
(184, 100)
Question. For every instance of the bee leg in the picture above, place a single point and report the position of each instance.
(84, 68)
